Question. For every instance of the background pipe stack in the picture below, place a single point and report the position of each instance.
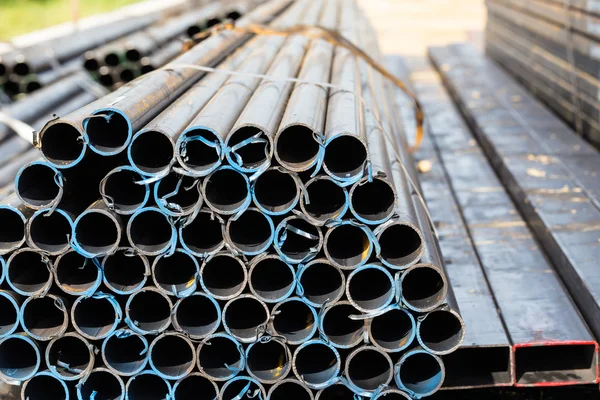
(228, 236)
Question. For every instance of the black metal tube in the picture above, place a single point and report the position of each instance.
(45, 386)
(268, 362)
(290, 389)
(70, 357)
(125, 352)
(337, 326)
(176, 274)
(44, 318)
(172, 355)
(97, 316)
(50, 233)
(297, 240)
(393, 331)
(10, 304)
(441, 331)
(197, 316)
(241, 388)
(321, 282)
(370, 288)
(328, 200)
(101, 382)
(243, 317)
(28, 272)
(276, 191)
(251, 233)
(419, 372)
(177, 195)
(19, 358)
(76, 275)
(294, 320)
(316, 363)
(97, 231)
(148, 311)
(369, 368)
(150, 232)
(195, 387)
(347, 246)
(125, 271)
(147, 385)
(217, 354)
(424, 287)
(270, 278)
(121, 192)
(223, 276)
(37, 185)
(14, 215)
(204, 235)
(226, 191)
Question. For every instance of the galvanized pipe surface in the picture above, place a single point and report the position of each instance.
(45, 386)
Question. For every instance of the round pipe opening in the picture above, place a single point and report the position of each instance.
(32, 86)
(401, 245)
(271, 279)
(147, 386)
(195, 155)
(197, 315)
(95, 318)
(345, 156)
(243, 316)
(202, 236)
(223, 276)
(347, 246)
(149, 231)
(125, 352)
(316, 363)
(151, 152)
(295, 320)
(373, 202)
(76, 275)
(251, 233)
(19, 358)
(91, 64)
(182, 194)
(11, 87)
(97, 232)
(420, 372)
(296, 148)
(126, 75)
(50, 233)
(21, 68)
(268, 362)
(322, 282)
(327, 200)
(335, 392)
(242, 388)
(125, 271)
(112, 59)
(441, 331)
(195, 387)
(36, 185)
(233, 15)
(146, 69)
(252, 155)
(342, 331)
(172, 356)
(12, 229)
(61, 144)
(149, 310)
(42, 318)
(369, 368)
(28, 273)
(218, 355)
(105, 77)
(104, 121)
(133, 55)
(102, 384)
(424, 288)
(121, 192)
(175, 274)
(193, 30)
(45, 386)
(276, 192)
(290, 389)
(70, 357)
(393, 331)
(296, 239)
(370, 288)
(226, 190)
(9, 313)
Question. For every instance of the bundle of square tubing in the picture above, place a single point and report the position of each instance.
(229, 235)
(552, 46)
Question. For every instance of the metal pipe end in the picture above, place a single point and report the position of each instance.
(276, 192)
(108, 120)
(250, 148)
(61, 143)
(97, 316)
(204, 235)
(370, 288)
(296, 148)
(297, 240)
(125, 271)
(337, 391)
(244, 316)
(198, 316)
(392, 394)
(402, 245)
(271, 279)
(441, 331)
(44, 318)
(148, 311)
(369, 368)
(328, 200)
(373, 202)
(9, 312)
(220, 357)
(223, 276)
(150, 232)
(316, 363)
(294, 320)
(27, 272)
(45, 385)
(191, 386)
(226, 191)
(97, 232)
(393, 331)
(268, 362)
(39, 185)
(346, 156)
(337, 326)
(147, 384)
(172, 355)
(121, 191)
(198, 151)
(70, 357)
(420, 372)
(240, 387)
(177, 274)
(20, 358)
(321, 282)
(12, 229)
(50, 233)
(177, 195)
(424, 287)
(347, 246)
(125, 352)
(104, 383)
(251, 233)
(290, 389)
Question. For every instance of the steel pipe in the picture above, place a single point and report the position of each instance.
(227, 191)
(162, 56)
(148, 311)
(441, 331)
(28, 272)
(97, 316)
(270, 278)
(147, 385)
(242, 388)
(424, 287)
(393, 331)
(349, 245)
(277, 191)
(336, 325)
(401, 242)
(70, 357)
(121, 191)
(39, 185)
(251, 233)
(320, 282)
(392, 394)
(49, 231)
(195, 387)
(337, 391)
(328, 200)
(97, 231)
(101, 382)
(316, 363)
(297, 240)
(10, 305)
(369, 368)
(20, 358)
(172, 355)
(125, 271)
(268, 360)
(294, 320)
(125, 352)
(45, 386)
(197, 316)
(44, 318)
(178, 195)
(244, 317)
(290, 389)
(150, 232)
(223, 276)
(419, 373)
(220, 357)
(176, 274)
(370, 288)
(203, 236)
(14, 215)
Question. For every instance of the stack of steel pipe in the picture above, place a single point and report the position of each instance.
(226, 235)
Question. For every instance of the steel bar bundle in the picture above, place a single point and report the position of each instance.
(230, 234)
(552, 48)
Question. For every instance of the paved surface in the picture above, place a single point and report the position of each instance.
(408, 27)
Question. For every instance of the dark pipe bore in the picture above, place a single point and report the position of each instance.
(198, 157)
(195, 387)
(276, 192)
(151, 152)
(122, 191)
(369, 368)
(147, 386)
(172, 355)
(50, 233)
(70, 356)
(197, 315)
(345, 156)
(253, 155)
(268, 362)
(321, 282)
(393, 331)
(61, 144)
(226, 190)
(316, 363)
(45, 386)
(9, 313)
(370, 288)
(95, 318)
(401, 245)
(242, 317)
(186, 195)
(339, 328)
(441, 332)
(251, 233)
(19, 358)
(42, 319)
(204, 235)
(420, 372)
(294, 320)
(297, 148)
(149, 231)
(149, 310)
(125, 354)
(327, 199)
(27, 273)
(76, 274)
(104, 384)
(271, 279)
(12, 229)
(347, 246)
(36, 185)
(423, 288)
(175, 274)
(290, 389)
(301, 239)
(216, 353)
(124, 271)
(97, 232)
(108, 121)
(223, 276)
(373, 202)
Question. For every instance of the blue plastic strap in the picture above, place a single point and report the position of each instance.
(188, 291)
(93, 395)
(251, 140)
(183, 146)
(173, 240)
(243, 392)
(246, 203)
(321, 141)
(299, 288)
(59, 180)
(113, 302)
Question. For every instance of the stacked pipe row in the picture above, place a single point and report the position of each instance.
(139, 53)
(194, 235)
